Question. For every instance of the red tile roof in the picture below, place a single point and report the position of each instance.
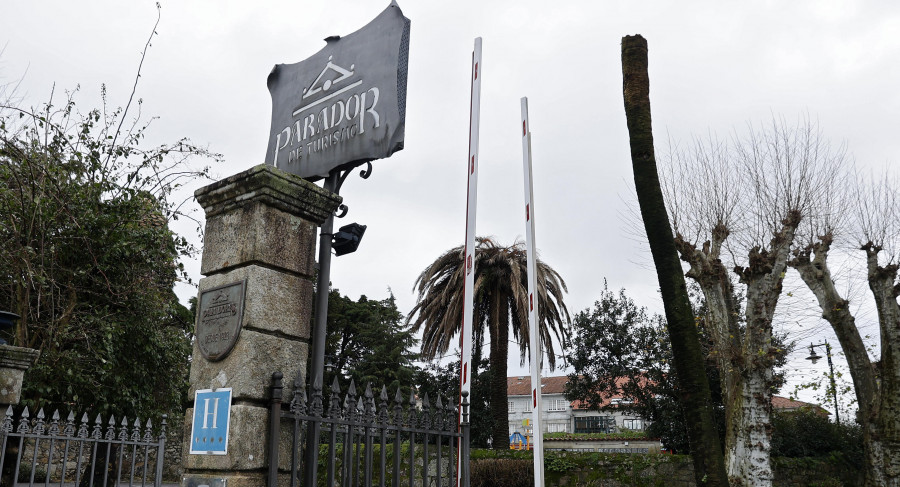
(521, 386)
(785, 404)
(779, 402)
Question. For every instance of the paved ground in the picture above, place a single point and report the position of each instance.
(72, 484)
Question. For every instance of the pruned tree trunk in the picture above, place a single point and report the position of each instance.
(812, 265)
(876, 388)
(709, 466)
(764, 275)
(746, 358)
(707, 270)
(884, 417)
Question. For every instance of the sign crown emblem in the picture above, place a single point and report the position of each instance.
(323, 83)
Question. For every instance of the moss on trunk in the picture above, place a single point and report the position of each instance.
(709, 465)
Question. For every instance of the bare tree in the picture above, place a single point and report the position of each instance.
(737, 205)
(871, 226)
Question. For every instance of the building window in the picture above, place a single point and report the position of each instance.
(595, 424)
(556, 427)
(512, 406)
(557, 405)
(633, 424)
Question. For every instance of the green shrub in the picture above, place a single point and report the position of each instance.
(554, 462)
(598, 436)
(501, 472)
(806, 434)
(484, 453)
(40, 473)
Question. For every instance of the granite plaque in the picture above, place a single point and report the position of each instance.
(219, 320)
(346, 104)
(197, 481)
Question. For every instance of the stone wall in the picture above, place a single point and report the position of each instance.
(172, 467)
(571, 469)
(605, 445)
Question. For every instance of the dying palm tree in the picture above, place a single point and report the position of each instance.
(501, 304)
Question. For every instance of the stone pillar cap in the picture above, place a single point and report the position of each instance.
(17, 357)
(273, 187)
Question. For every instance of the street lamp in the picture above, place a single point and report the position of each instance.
(7, 320)
(813, 357)
(347, 239)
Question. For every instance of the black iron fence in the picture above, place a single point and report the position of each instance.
(361, 440)
(102, 453)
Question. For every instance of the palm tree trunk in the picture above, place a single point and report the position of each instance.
(499, 405)
(709, 463)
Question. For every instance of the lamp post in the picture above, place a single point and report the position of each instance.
(813, 357)
(344, 242)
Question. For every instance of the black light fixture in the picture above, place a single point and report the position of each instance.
(347, 239)
(813, 357)
(7, 320)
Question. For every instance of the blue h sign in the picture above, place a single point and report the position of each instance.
(212, 414)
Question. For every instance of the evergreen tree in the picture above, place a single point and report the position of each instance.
(367, 342)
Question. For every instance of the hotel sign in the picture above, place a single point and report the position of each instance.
(219, 318)
(211, 422)
(346, 104)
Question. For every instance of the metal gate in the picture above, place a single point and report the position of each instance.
(37, 451)
(364, 441)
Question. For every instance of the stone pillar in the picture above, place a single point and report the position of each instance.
(14, 361)
(260, 230)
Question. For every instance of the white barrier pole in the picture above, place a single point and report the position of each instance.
(533, 312)
(465, 369)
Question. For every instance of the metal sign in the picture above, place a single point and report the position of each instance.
(346, 104)
(211, 421)
(219, 320)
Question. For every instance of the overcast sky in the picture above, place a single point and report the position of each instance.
(714, 66)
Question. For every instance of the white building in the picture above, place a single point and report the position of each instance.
(562, 416)
(559, 414)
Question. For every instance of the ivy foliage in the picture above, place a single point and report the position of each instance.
(87, 258)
